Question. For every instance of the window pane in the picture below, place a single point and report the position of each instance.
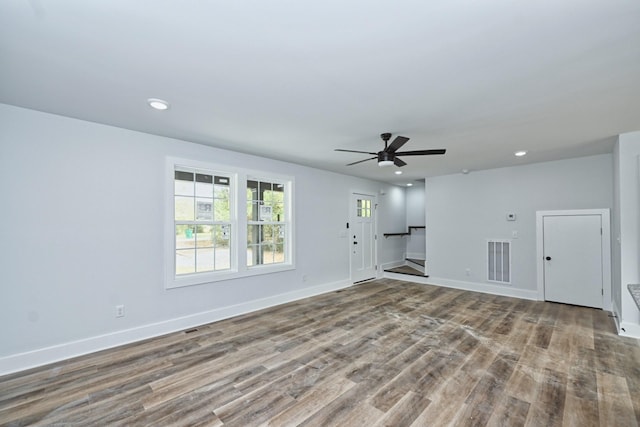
(279, 255)
(279, 188)
(222, 208)
(204, 236)
(267, 254)
(222, 180)
(252, 253)
(184, 208)
(267, 234)
(280, 234)
(185, 261)
(222, 235)
(278, 212)
(183, 183)
(253, 234)
(223, 258)
(204, 209)
(204, 260)
(221, 192)
(204, 189)
(252, 190)
(185, 236)
(265, 190)
(252, 211)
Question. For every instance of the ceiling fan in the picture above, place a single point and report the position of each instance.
(389, 156)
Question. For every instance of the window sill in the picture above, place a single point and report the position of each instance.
(220, 276)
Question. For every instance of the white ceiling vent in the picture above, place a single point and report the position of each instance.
(499, 261)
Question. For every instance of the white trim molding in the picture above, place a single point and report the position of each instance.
(606, 250)
(56, 353)
(629, 329)
(485, 288)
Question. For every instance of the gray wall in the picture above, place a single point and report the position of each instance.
(82, 230)
(415, 216)
(462, 211)
(628, 217)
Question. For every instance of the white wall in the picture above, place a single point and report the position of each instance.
(616, 288)
(415, 216)
(628, 182)
(82, 231)
(462, 211)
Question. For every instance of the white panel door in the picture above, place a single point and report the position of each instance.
(362, 237)
(573, 259)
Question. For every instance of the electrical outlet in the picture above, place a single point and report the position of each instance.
(467, 272)
(119, 310)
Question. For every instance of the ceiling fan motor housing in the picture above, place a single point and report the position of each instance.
(385, 158)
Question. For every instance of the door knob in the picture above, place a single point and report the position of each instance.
(548, 258)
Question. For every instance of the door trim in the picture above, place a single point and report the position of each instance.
(606, 249)
(374, 201)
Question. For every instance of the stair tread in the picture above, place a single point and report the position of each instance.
(416, 261)
(405, 269)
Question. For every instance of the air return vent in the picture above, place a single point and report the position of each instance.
(499, 261)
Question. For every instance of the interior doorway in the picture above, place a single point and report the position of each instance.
(574, 257)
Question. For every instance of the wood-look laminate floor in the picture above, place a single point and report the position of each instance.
(383, 353)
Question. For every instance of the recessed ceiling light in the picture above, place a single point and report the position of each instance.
(520, 153)
(398, 172)
(465, 171)
(158, 104)
(409, 185)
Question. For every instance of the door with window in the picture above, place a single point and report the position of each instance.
(362, 238)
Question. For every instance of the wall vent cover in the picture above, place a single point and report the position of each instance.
(499, 261)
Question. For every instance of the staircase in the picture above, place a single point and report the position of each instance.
(411, 267)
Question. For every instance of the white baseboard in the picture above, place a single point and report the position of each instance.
(43, 356)
(468, 286)
(628, 329)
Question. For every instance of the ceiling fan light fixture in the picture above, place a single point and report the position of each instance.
(385, 159)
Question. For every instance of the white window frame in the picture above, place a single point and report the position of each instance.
(238, 235)
(288, 223)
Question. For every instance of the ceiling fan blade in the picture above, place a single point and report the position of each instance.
(353, 151)
(421, 152)
(397, 143)
(398, 162)
(360, 161)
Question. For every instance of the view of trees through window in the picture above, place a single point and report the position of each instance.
(266, 222)
(202, 222)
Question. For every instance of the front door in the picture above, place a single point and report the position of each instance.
(362, 237)
(573, 259)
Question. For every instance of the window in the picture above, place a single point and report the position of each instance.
(363, 208)
(207, 221)
(266, 222)
(202, 222)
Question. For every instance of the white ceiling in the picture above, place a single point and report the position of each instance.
(293, 80)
